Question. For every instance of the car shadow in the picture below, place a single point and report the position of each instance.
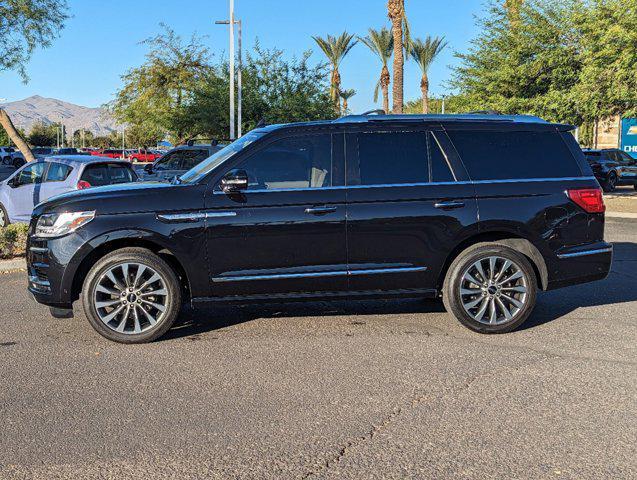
(619, 287)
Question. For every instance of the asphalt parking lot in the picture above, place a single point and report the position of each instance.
(365, 390)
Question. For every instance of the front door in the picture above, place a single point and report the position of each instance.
(25, 192)
(408, 205)
(284, 236)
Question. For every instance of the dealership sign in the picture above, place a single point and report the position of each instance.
(629, 136)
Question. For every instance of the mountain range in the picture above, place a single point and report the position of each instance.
(25, 113)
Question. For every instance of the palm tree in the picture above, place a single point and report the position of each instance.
(346, 95)
(335, 49)
(381, 43)
(424, 53)
(400, 32)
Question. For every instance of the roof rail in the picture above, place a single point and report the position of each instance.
(378, 111)
(484, 112)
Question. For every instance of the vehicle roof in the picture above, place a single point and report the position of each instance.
(195, 147)
(82, 159)
(468, 118)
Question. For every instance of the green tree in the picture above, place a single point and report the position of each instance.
(274, 89)
(424, 52)
(381, 42)
(564, 60)
(346, 95)
(156, 96)
(43, 135)
(336, 49)
(26, 25)
(607, 81)
(101, 142)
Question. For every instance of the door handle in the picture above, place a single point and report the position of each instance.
(320, 210)
(449, 205)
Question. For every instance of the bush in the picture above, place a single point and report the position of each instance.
(13, 240)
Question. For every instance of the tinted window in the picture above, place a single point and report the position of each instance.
(388, 158)
(192, 158)
(440, 171)
(57, 172)
(492, 155)
(31, 174)
(105, 174)
(299, 162)
(170, 161)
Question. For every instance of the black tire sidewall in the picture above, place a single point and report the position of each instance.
(141, 256)
(451, 288)
(7, 222)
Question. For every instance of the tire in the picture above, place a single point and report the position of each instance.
(138, 306)
(456, 302)
(4, 217)
(610, 184)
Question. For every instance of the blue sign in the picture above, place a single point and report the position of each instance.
(629, 136)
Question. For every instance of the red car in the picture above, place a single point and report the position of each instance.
(143, 155)
(109, 153)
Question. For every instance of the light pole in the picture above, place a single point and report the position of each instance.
(232, 22)
(123, 142)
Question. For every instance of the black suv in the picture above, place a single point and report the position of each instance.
(612, 167)
(481, 210)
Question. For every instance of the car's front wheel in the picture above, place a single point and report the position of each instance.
(490, 288)
(131, 296)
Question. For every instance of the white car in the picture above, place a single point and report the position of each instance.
(5, 155)
(38, 181)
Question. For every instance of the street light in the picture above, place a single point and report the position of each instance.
(232, 22)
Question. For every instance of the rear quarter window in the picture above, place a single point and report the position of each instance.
(502, 155)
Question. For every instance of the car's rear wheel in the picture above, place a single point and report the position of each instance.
(4, 217)
(490, 288)
(611, 182)
(131, 296)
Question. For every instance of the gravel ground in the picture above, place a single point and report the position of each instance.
(363, 390)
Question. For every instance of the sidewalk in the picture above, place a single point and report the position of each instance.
(13, 265)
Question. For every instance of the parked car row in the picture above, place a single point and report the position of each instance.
(612, 167)
(11, 156)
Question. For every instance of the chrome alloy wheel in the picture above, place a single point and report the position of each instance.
(494, 290)
(130, 298)
(3, 219)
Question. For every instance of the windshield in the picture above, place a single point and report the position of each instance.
(204, 168)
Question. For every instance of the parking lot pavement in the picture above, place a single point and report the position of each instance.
(366, 390)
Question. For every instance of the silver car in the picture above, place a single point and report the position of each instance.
(45, 178)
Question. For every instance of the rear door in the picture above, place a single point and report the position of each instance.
(25, 193)
(55, 180)
(408, 205)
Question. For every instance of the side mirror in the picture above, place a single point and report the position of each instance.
(235, 181)
(14, 182)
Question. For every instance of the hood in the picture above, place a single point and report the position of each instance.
(127, 198)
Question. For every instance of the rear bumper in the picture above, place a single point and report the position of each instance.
(582, 264)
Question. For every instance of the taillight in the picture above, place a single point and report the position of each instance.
(82, 184)
(590, 199)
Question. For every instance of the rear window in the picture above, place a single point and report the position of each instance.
(491, 155)
(107, 174)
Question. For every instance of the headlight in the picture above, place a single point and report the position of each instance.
(59, 224)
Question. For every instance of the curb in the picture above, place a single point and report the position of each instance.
(14, 265)
(621, 215)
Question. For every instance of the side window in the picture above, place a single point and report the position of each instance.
(57, 172)
(297, 162)
(504, 155)
(172, 161)
(192, 158)
(440, 170)
(120, 174)
(31, 174)
(96, 175)
(389, 158)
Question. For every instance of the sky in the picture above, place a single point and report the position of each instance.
(101, 41)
